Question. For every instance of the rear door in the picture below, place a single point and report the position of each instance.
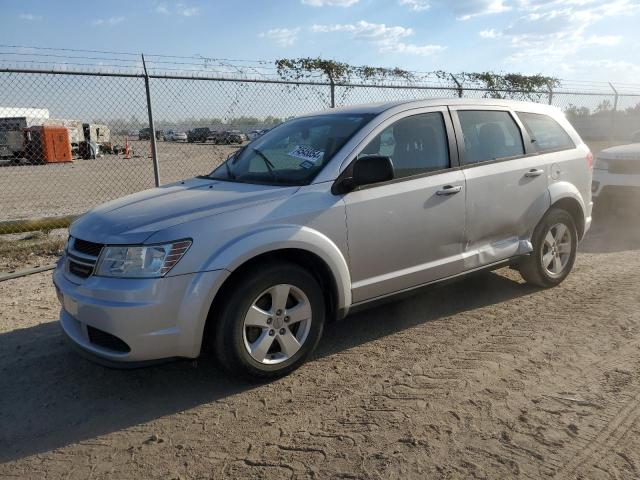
(506, 183)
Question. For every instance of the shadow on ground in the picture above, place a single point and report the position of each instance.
(52, 397)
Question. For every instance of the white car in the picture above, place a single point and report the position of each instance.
(173, 136)
(616, 176)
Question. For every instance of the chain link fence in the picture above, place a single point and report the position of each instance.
(72, 140)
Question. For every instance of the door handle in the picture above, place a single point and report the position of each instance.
(534, 172)
(449, 190)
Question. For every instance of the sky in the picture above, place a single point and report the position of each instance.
(570, 39)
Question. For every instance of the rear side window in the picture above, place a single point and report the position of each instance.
(546, 134)
(416, 145)
(489, 135)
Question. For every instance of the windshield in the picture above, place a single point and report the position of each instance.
(292, 153)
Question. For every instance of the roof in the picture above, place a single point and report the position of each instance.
(377, 108)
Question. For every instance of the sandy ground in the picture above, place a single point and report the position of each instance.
(483, 378)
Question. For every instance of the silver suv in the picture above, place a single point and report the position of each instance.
(321, 216)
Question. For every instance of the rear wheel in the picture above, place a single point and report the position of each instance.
(271, 322)
(555, 241)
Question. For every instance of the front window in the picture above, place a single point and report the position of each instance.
(292, 153)
(415, 144)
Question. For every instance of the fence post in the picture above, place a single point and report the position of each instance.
(152, 133)
(615, 98)
(458, 86)
(614, 112)
(332, 86)
(550, 95)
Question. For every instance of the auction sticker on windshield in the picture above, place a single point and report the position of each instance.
(310, 155)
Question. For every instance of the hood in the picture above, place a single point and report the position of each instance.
(132, 219)
(621, 152)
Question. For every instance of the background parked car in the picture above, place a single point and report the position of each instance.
(253, 134)
(216, 137)
(173, 136)
(616, 177)
(234, 136)
(145, 134)
(199, 134)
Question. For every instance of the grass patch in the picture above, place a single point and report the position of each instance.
(23, 251)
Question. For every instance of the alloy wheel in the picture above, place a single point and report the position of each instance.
(556, 249)
(277, 324)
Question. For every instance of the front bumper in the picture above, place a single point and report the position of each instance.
(141, 319)
(614, 185)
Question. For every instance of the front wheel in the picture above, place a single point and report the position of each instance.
(555, 241)
(271, 322)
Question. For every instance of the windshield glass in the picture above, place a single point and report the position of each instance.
(292, 153)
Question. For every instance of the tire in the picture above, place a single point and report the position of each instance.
(233, 338)
(550, 246)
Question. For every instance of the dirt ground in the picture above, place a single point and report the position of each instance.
(483, 378)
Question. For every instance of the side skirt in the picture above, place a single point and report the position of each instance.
(411, 291)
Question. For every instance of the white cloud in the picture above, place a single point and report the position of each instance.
(108, 22)
(603, 40)
(285, 37)
(330, 3)
(163, 8)
(388, 39)
(185, 11)
(466, 9)
(490, 33)
(30, 17)
(416, 5)
(180, 9)
(552, 32)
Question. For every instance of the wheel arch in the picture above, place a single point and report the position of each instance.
(566, 196)
(306, 259)
(298, 245)
(573, 207)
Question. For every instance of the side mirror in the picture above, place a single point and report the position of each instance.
(365, 171)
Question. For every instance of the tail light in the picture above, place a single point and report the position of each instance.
(590, 160)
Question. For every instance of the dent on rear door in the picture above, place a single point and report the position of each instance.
(503, 207)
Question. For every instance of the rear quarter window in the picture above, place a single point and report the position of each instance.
(546, 134)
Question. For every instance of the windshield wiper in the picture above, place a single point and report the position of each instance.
(267, 162)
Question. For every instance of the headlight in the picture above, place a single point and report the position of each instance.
(140, 261)
(602, 164)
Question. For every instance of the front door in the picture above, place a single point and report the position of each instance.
(408, 231)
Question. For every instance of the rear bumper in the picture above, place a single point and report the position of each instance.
(151, 319)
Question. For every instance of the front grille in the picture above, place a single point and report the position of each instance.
(81, 270)
(88, 248)
(106, 340)
(624, 166)
(82, 257)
